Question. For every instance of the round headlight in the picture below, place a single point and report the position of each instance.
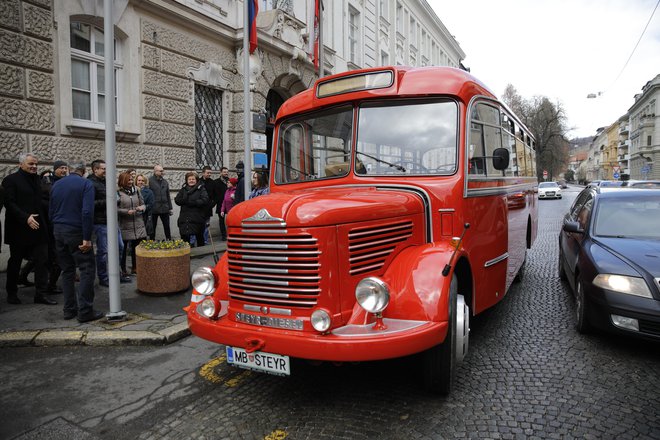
(207, 308)
(320, 320)
(203, 281)
(372, 294)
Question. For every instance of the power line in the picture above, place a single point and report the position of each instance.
(635, 48)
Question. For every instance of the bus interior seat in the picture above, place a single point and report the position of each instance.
(337, 169)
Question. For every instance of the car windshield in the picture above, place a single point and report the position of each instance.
(610, 184)
(548, 185)
(633, 216)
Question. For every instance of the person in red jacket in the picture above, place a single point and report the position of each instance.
(228, 201)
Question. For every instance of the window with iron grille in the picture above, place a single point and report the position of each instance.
(208, 127)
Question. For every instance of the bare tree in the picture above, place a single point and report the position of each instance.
(547, 122)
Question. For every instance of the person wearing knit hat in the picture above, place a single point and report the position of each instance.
(60, 168)
(228, 201)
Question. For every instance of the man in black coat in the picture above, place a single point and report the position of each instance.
(209, 185)
(26, 228)
(239, 195)
(220, 189)
(162, 202)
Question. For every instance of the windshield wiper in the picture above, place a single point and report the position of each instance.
(392, 165)
(296, 170)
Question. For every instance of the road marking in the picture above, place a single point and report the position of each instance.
(278, 434)
(208, 372)
(208, 369)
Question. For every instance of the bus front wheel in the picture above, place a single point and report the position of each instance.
(439, 363)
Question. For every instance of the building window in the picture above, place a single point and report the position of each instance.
(384, 9)
(413, 32)
(208, 127)
(353, 35)
(648, 141)
(384, 59)
(399, 18)
(88, 74)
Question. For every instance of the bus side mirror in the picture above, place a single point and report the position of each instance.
(501, 159)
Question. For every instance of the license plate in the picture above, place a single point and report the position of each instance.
(259, 361)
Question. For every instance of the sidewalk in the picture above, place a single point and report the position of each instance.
(150, 320)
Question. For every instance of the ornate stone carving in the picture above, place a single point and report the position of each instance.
(11, 145)
(12, 80)
(49, 148)
(182, 43)
(150, 57)
(163, 133)
(152, 107)
(210, 74)
(16, 48)
(176, 111)
(168, 86)
(177, 64)
(25, 115)
(256, 69)
(37, 21)
(40, 86)
(10, 14)
(178, 158)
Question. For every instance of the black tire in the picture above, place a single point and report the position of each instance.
(521, 272)
(560, 267)
(581, 317)
(439, 362)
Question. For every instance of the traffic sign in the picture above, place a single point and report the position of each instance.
(615, 175)
(545, 173)
(616, 169)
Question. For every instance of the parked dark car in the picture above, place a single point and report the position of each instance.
(609, 253)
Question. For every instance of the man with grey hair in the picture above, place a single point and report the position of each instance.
(26, 228)
(162, 202)
(71, 211)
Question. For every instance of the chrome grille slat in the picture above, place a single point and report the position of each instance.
(273, 265)
(370, 247)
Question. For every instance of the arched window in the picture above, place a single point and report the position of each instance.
(88, 75)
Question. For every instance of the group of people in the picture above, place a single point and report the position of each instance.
(52, 217)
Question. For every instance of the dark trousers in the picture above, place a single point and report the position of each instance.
(199, 236)
(38, 254)
(223, 227)
(69, 257)
(132, 244)
(165, 218)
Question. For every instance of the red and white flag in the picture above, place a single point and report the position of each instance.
(314, 36)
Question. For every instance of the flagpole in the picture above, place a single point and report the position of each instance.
(247, 159)
(321, 51)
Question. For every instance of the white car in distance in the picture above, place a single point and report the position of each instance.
(549, 190)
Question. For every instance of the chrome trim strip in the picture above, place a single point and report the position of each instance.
(264, 246)
(263, 216)
(367, 330)
(446, 210)
(264, 231)
(494, 261)
(252, 308)
(269, 282)
(264, 270)
(266, 294)
(278, 311)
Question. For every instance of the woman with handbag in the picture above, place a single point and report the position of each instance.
(193, 200)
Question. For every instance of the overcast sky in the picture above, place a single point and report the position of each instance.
(562, 49)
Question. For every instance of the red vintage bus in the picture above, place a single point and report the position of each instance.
(401, 203)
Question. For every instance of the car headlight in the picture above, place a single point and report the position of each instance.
(372, 294)
(206, 308)
(320, 320)
(623, 284)
(203, 281)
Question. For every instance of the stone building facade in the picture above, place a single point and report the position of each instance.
(179, 78)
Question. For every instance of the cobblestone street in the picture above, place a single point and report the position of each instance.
(528, 374)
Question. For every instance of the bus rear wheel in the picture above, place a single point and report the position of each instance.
(439, 363)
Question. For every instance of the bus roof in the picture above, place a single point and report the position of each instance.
(407, 82)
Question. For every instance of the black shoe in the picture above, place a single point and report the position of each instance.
(126, 279)
(13, 299)
(40, 299)
(25, 283)
(70, 315)
(54, 290)
(93, 316)
(104, 283)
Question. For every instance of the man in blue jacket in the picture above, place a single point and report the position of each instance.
(71, 211)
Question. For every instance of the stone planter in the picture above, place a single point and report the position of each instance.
(163, 271)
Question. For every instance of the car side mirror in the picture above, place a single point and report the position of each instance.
(500, 158)
(573, 227)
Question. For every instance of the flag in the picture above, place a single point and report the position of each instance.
(253, 10)
(314, 18)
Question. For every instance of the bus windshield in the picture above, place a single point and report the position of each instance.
(393, 138)
(407, 138)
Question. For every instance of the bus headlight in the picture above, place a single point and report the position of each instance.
(372, 294)
(320, 320)
(207, 308)
(203, 281)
